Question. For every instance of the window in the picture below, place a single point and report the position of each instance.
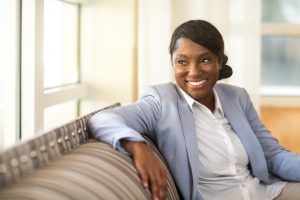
(9, 72)
(61, 57)
(50, 64)
(52, 113)
(61, 43)
(40, 84)
(280, 75)
(2, 72)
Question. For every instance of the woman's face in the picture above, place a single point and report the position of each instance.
(196, 70)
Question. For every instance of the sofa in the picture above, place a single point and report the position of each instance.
(68, 163)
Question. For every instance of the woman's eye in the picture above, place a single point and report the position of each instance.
(182, 62)
(206, 60)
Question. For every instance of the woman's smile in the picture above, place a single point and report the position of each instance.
(197, 84)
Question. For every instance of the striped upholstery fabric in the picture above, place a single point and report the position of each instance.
(67, 163)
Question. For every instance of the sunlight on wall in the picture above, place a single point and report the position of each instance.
(107, 52)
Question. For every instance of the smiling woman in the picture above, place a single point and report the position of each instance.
(209, 133)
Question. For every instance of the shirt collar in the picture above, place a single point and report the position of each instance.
(191, 101)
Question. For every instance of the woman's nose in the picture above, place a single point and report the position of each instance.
(195, 69)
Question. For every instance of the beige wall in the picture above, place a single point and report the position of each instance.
(107, 52)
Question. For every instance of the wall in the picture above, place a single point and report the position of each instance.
(154, 30)
(107, 52)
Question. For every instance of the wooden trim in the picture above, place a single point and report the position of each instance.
(135, 52)
(280, 29)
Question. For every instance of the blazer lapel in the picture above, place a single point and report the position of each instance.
(243, 130)
(189, 131)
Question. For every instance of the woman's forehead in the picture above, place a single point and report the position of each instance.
(185, 46)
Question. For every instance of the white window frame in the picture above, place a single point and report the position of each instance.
(10, 58)
(280, 96)
(34, 98)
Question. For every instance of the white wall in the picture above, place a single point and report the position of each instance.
(107, 52)
(154, 29)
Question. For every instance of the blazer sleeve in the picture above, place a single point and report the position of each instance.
(280, 161)
(128, 121)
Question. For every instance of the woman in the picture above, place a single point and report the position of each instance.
(210, 135)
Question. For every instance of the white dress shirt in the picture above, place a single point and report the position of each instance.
(224, 172)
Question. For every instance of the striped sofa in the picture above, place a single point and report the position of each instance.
(67, 163)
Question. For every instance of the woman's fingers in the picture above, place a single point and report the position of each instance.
(143, 174)
(152, 172)
(159, 183)
(163, 185)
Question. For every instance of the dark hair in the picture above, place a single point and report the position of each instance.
(206, 35)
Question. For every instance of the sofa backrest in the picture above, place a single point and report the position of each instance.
(28, 156)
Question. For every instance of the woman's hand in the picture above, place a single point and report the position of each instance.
(151, 172)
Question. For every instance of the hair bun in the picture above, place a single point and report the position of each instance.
(225, 72)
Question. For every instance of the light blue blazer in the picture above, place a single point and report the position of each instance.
(163, 114)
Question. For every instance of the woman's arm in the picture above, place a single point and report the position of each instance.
(121, 127)
(280, 161)
(127, 122)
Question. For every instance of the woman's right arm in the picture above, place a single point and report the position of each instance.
(121, 127)
(126, 122)
(110, 128)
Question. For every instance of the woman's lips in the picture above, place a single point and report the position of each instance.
(197, 84)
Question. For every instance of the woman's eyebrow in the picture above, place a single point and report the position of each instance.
(208, 53)
(181, 55)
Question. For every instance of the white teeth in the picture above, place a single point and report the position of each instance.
(197, 83)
